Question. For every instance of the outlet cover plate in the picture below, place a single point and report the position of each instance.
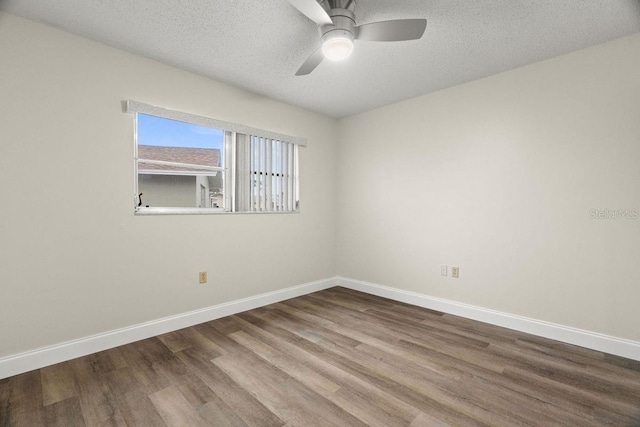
(202, 277)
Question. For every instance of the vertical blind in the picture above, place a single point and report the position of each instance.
(266, 173)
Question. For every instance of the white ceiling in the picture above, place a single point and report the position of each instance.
(258, 45)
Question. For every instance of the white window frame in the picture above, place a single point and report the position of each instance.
(263, 204)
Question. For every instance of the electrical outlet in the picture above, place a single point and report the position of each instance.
(455, 272)
(202, 277)
(443, 270)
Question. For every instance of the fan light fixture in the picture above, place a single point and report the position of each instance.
(336, 21)
(337, 45)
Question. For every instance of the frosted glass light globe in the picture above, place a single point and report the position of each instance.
(337, 48)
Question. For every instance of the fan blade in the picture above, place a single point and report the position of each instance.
(392, 31)
(311, 63)
(313, 10)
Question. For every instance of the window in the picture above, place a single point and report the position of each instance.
(180, 165)
(187, 164)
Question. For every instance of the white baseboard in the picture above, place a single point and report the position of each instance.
(35, 359)
(595, 341)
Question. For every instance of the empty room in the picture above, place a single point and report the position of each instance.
(319, 213)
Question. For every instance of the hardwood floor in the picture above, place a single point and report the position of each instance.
(332, 358)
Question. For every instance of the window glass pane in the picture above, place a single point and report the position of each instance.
(174, 141)
(181, 191)
(179, 164)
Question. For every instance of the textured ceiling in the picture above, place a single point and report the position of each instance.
(259, 44)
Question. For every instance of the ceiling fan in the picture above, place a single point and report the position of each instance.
(337, 23)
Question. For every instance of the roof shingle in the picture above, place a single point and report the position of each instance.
(194, 156)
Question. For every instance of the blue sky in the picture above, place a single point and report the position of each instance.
(171, 133)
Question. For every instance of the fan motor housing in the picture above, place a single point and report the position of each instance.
(337, 4)
(343, 24)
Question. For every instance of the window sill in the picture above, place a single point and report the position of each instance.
(199, 211)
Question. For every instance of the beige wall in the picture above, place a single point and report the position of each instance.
(72, 265)
(498, 177)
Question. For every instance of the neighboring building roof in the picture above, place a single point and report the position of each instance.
(194, 156)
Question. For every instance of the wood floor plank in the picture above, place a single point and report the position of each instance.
(153, 365)
(175, 341)
(353, 399)
(357, 333)
(369, 301)
(197, 339)
(130, 400)
(174, 408)
(350, 303)
(358, 401)
(284, 395)
(242, 401)
(5, 403)
(94, 397)
(426, 420)
(583, 363)
(345, 319)
(588, 377)
(218, 413)
(57, 383)
(210, 407)
(392, 331)
(569, 408)
(292, 366)
(627, 364)
(368, 374)
(64, 413)
(215, 333)
(106, 361)
(604, 402)
(490, 404)
(358, 394)
(336, 357)
(196, 391)
(23, 404)
(226, 326)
